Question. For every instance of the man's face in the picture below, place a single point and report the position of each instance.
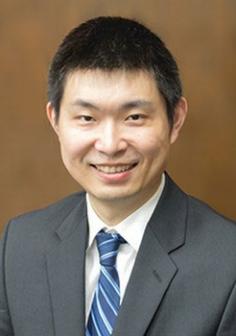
(114, 133)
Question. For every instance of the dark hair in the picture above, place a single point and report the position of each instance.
(113, 43)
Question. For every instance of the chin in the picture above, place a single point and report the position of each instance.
(113, 195)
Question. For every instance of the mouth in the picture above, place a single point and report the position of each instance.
(116, 169)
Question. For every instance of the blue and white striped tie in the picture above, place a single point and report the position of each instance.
(106, 301)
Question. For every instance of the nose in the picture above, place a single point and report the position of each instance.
(110, 140)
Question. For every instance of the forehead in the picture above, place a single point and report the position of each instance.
(113, 86)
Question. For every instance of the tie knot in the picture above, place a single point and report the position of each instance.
(108, 245)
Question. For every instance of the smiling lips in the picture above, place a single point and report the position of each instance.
(116, 169)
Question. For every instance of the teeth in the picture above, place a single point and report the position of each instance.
(113, 170)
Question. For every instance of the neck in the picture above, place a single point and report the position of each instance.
(114, 211)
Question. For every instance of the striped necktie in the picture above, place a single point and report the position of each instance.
(106, 301)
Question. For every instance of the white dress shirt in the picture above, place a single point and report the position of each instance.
(131, 229)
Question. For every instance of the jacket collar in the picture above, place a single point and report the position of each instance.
(66, 273)
(154, 269)
(152, 274)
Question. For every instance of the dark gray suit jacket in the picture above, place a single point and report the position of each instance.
(182, 284)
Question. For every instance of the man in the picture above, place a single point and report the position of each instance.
(133, 255)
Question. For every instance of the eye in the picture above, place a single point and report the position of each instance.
(136, 117)
(85, 119)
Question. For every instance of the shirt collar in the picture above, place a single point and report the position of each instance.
(135, 222)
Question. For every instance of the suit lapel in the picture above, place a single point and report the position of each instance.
(66, 274)
(154, 269)
(152, 274)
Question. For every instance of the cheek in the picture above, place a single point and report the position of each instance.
(73, 144)
(152, 144)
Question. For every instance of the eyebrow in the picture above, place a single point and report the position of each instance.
(137, 103)
(84, 103)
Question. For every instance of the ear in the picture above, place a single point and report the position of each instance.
(52, 117)
(179, 118)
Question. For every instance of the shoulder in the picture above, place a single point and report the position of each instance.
(209, 238)
(45, 219)
(196, 211)
(211, 235)
(204, 225)
(58, 208)
(201, 212)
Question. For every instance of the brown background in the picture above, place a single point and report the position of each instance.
(200, 33)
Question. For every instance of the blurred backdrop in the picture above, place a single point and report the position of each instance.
(202, 36)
